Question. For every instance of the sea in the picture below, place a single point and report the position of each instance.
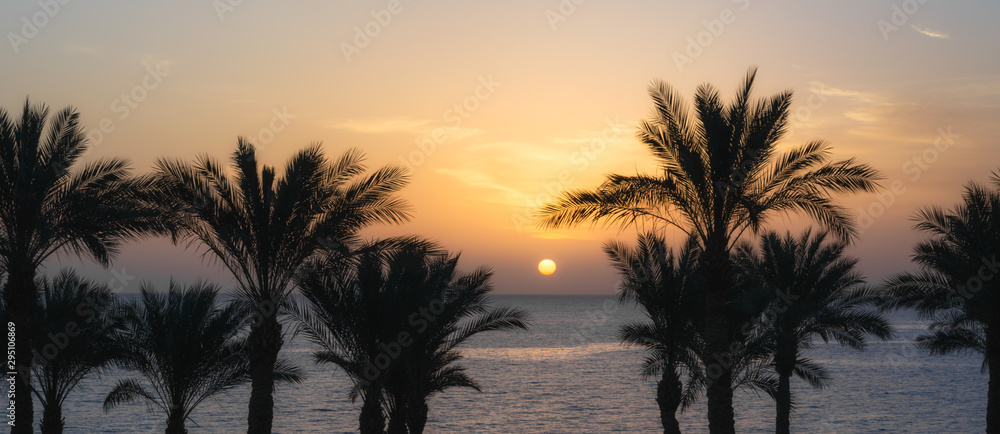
(569, 374)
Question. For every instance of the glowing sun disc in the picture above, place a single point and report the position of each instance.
(546, 267)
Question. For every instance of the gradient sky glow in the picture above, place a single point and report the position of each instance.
(497, 105)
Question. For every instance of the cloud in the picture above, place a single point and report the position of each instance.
(381, 125)
(613, 131)
(478, 179)
(457, 133)
(821, 89)
(931, 33)
(981, 92)
(421, 127)
(154, 61)
(82, 49)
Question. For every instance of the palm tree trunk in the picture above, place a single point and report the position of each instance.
(372, 420)
(21, 297)
(993, 394)
(175, 421)
(52, 420)
(668, 398)
(785, 356)
(416, 416)
(783, 404)
(715, 271)
(397, 417)
(264, 345)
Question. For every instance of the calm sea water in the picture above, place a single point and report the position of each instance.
(568, 374)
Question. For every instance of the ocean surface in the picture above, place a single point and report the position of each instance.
(568, 374)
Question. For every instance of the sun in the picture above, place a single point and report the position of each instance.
(546, 267)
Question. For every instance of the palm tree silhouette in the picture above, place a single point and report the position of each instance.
(427, 367)
(666, 289)
(719, 177)
(345, 313)
(393, 321)
(263, 228)
(812, 290)
(73, 319)
(957, 286)
(186, 347)
(47, 208)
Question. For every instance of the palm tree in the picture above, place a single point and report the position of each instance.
(72, 331)
(345, 312)
(186, 347)
(668, 292)
(74, 328)
(665, 287)
(427, 367)
(719, 177)
(957, 287)
(814, 290)
(393, 322)
(45, 208)
(263, 228)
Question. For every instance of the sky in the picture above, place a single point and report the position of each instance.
(497, 106)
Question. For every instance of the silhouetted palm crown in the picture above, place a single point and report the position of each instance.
(187, 349)
(46, 207)
(359, 310)
(719, 173)
(666, 288)
(964, 242)
(814, 290)
(262, 227)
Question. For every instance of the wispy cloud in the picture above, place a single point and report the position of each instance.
(457, 133)
(420, 127)
(931, 33)
(380, 125)
(479, 179)
(84, 49)
(822, 89)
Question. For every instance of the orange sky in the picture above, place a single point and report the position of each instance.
(497, 105)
